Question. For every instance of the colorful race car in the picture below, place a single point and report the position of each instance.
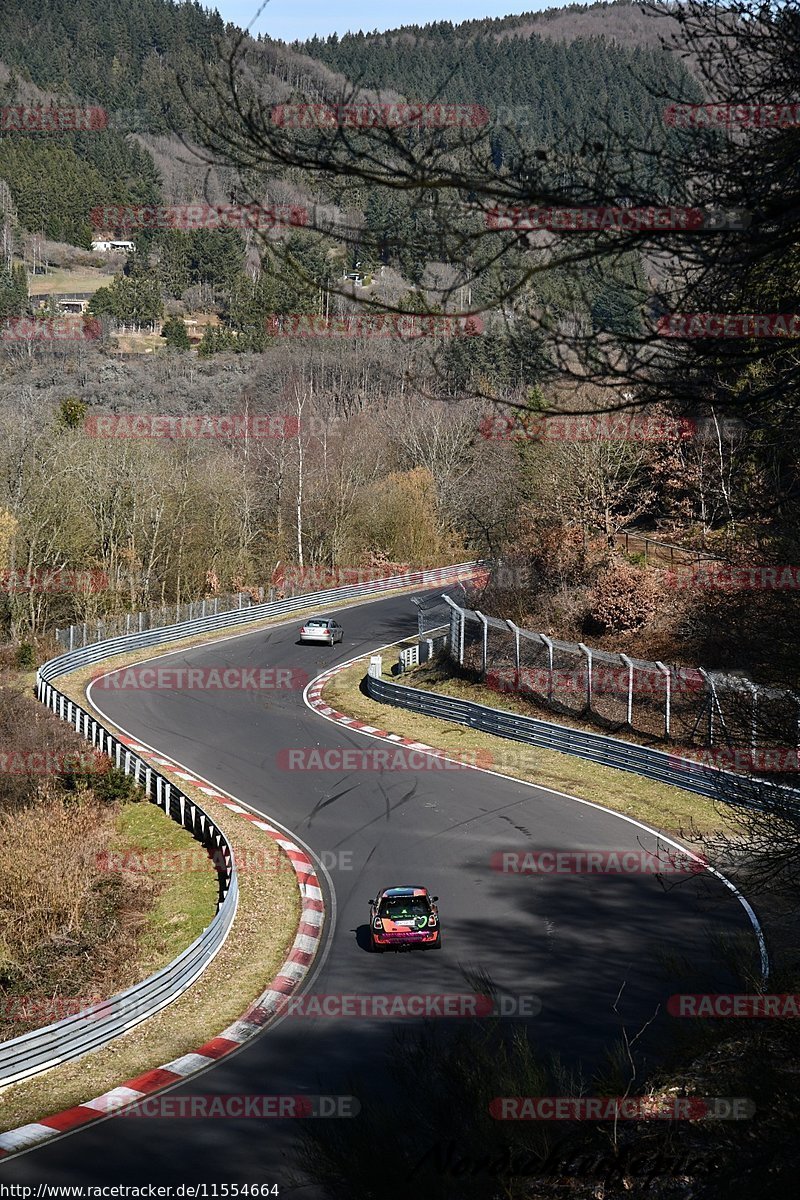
(402, 917)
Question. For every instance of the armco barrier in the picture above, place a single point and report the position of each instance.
(724, 786)
(33, 1052)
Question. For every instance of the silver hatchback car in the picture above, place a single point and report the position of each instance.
(321, 629)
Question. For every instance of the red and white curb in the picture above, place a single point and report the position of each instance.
(313, 698)
(260, 1012)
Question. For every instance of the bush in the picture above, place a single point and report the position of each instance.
(108, 786)
(622, 599)
(25, 658)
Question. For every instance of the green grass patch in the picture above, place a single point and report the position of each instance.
(182, 874)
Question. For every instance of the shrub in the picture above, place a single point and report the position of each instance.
(622, 599)
(25, 658)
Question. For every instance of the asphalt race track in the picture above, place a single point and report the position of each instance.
(583, 944)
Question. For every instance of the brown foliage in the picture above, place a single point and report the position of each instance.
(623, 598)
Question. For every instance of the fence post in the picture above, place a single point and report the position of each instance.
(485, 625)
(515, 630)
(454, 608)
(549, 645)
(420, 619)
(712, 696)
(71, 637)
(753, 690)
(629, 664)
(585, 650)
(668, 696)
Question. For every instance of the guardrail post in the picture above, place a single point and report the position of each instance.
(628, 663)
(667, 697)
(485, 624)
(585, 650)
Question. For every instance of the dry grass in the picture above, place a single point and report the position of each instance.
(269, 907)
(666, 808)
(48, 864)
(72, 930)
(84, 279)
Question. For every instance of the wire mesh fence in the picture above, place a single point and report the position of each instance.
(745, 724)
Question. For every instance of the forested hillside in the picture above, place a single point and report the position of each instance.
(537, 93)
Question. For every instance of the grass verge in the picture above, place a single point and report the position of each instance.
(157, 850)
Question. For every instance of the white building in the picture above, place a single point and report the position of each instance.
(104, 246)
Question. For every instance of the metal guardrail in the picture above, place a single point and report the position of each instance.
(76, 1035)
(92, 1027)
(724, 786)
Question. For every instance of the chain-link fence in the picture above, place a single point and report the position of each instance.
(748, 725)
(433, 612)
(89, 632)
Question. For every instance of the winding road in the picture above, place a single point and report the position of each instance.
(601, 953)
